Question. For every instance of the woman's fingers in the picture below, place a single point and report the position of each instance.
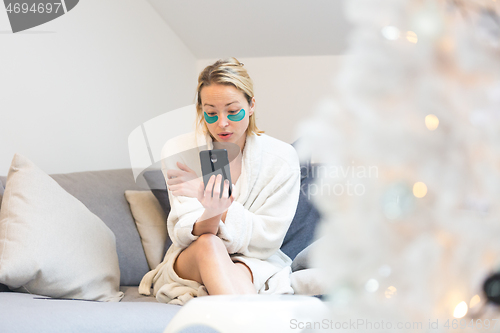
(225, 193)
(210, 196)
(174, 173)
(183, 182)
(184, 167)
(218, 181)
(210, 186)
(174, 177)
(174, 181)
(180, 176)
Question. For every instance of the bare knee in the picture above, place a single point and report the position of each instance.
(208, 239)
(209, 245)
(205, 250)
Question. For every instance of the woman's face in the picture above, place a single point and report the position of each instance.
(219, 101)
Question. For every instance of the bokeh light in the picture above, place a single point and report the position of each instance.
(460, 310)
(475, 300)
(371, 286)
(412, 37)
(419, 189)
(431, 122)
(390, 32)
(390, 292)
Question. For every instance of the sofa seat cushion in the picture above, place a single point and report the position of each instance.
(50, 243)
(54, 316)
(132, 295)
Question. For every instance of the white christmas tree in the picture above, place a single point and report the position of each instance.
(410, 183)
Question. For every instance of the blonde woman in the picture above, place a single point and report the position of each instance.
(225, 244)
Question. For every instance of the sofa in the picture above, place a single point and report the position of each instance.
(103, 194)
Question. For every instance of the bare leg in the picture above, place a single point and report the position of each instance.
(206, 261)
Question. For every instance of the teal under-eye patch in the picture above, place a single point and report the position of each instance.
(210, 119)
(237, 117)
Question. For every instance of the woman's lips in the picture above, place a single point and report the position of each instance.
(226, 136)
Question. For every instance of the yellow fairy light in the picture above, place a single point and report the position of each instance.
(460, 310)
(412, 37)
(419, 189)
(431, 122)
(390, 292)
(474, 301)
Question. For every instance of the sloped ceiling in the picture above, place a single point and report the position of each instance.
(257, 28)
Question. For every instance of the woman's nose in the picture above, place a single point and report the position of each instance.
(223, 122)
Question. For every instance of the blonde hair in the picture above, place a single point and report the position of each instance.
(228, 72)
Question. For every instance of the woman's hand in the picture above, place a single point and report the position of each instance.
(215, 204)
(183, 182)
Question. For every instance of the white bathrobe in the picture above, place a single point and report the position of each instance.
(265, 199)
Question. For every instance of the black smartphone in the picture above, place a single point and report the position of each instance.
(215, 162)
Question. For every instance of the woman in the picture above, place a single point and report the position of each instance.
(225, 244)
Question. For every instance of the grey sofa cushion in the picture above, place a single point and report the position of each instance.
(303, 259)
(301, 231)
(156, 182)
(103, 193)
(81, 316)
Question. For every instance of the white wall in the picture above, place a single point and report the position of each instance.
(73, 89)
(287, 89)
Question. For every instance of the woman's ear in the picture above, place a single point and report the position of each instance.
(252, 107)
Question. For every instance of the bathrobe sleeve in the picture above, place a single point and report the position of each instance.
(184, 213)
(258, 231)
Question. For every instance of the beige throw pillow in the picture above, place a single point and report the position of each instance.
(151, 222)
(50, 243)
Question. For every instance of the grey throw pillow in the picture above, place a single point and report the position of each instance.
(301, 231)
(303, 259)
(156, 182)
